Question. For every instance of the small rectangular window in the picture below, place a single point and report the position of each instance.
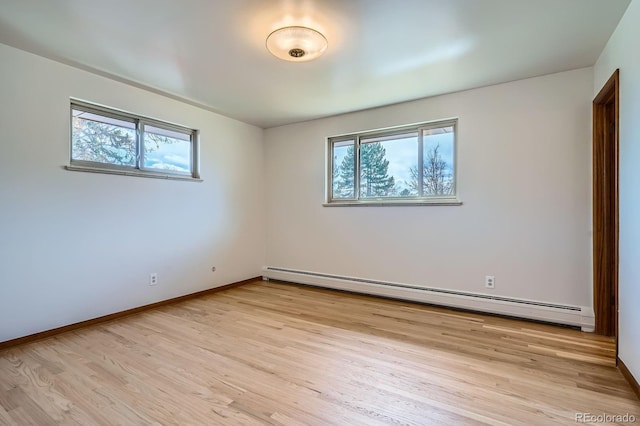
(110, 141)
(407, 165)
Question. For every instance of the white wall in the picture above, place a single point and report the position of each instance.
(524, 161)
(622, 52)
(74, 246)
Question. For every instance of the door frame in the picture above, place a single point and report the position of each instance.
(606, 206)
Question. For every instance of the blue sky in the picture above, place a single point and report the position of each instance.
(173, 157)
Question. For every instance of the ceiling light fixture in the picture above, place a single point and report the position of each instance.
(296, 44)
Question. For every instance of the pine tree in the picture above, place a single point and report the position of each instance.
(374, 178)
(343, 175)
(374, 167)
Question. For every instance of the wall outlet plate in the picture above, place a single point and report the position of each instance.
(490, 281)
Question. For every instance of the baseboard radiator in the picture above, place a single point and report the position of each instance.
(575, 316)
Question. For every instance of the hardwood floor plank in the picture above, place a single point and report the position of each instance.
(5, 419)
(275, 353)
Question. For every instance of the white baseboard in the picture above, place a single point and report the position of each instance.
(577, 316)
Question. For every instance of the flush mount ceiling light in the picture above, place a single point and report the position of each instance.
(296, 44)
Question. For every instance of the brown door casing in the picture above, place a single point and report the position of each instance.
(605, 207)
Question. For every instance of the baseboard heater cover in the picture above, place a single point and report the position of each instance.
(576, 316)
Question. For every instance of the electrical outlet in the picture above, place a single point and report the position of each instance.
(153, 278)
(213, 269)
(490, 281)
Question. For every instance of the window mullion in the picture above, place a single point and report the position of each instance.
(139, 143)
(420, 163)
(331, 166)
(195, 169)
(356, 168)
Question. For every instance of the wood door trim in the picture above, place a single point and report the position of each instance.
(606, 322)
(55, 331)
(611, 88)
(627, 375)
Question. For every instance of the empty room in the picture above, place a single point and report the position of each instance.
(319, 212)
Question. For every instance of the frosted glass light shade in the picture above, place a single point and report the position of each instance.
(296, 44)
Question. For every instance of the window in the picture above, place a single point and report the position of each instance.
(405, 165)
(109, 141)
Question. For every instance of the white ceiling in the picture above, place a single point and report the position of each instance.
(212, 52)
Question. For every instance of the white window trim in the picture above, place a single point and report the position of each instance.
(137, 170)
(450, 200)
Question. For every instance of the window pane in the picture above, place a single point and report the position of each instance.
(167, 150)
(389, 166)
(102, 139)
(438, 160)
(343, 169)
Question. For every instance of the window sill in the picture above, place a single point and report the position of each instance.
(137, 173)
(395, 203)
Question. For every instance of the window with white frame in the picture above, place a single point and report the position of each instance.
(406, 165)
(111, 141)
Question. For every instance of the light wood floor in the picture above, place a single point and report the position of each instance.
(272, 353)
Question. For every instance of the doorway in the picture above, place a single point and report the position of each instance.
(605, 207)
